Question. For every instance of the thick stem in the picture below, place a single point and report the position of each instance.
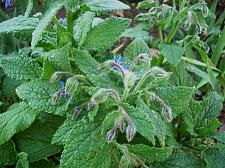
(70, 21)
(172, 32)
(160, 34)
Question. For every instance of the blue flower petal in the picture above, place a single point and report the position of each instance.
(119, 60)
(62, 84)
(7, 3)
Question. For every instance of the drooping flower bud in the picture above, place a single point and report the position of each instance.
(122, 127)
(56, 77)
(76, 112)
(90, 106)
(111, 135)
(55, 98)
(71, 85)
(130, 131)
(168, 113)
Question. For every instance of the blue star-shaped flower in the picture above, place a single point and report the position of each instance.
(7, 3)
(119, 60)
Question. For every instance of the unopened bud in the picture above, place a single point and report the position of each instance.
(56, 77)
(168, 113)
(143, 57)
(76, 112)
(111, 135)
(71, 85)
(122, 127)
(55, 98)
(90, 106)
(130, 132)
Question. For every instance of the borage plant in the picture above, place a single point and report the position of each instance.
(87, 107)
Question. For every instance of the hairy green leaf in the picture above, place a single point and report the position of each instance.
(138, 46)
(180, 159)
(36, 141)
(83, 26)
(215, 105)
(143, 123)
(62, 134)
(44, 22)
(87, 64)
(84, 139)
(103, 158)
(214, 157)
(150, 154)
(38, 94)
(15, 120)
(59, 57)
(159, 125)
(177, 98)
(172, 53)
(21, 68)
(105, 34)
(21, 27)
(106, 5)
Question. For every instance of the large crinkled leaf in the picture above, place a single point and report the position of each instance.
(138, 46)
(83, 26)
(21, 68)
(15, 120)
(103, 158)
(87, 64)
(137, 32)
(180, 159)
(38, 94)
(84, 140)
(36, 141)
(9, 86)
(172, 53)
(21, 27)
(150, 154)
(44, 22)
(179, 76)
(159, 125)
(63, 132)
(105, 34)
(59, 57)
(215, 105)
(7, 153)
(106, 5)
(214, 157)
(193, 113)
(177, 98)
(143, 123)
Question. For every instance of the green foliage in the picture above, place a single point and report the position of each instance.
(16, 119)
(213, 157)
(21, 68)
(44, 22)
(21, 27)
(8, 153)
(36, 141)
(93, 90)
(106, 5)
(105, 34)
(172, 53)
(38, 94)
